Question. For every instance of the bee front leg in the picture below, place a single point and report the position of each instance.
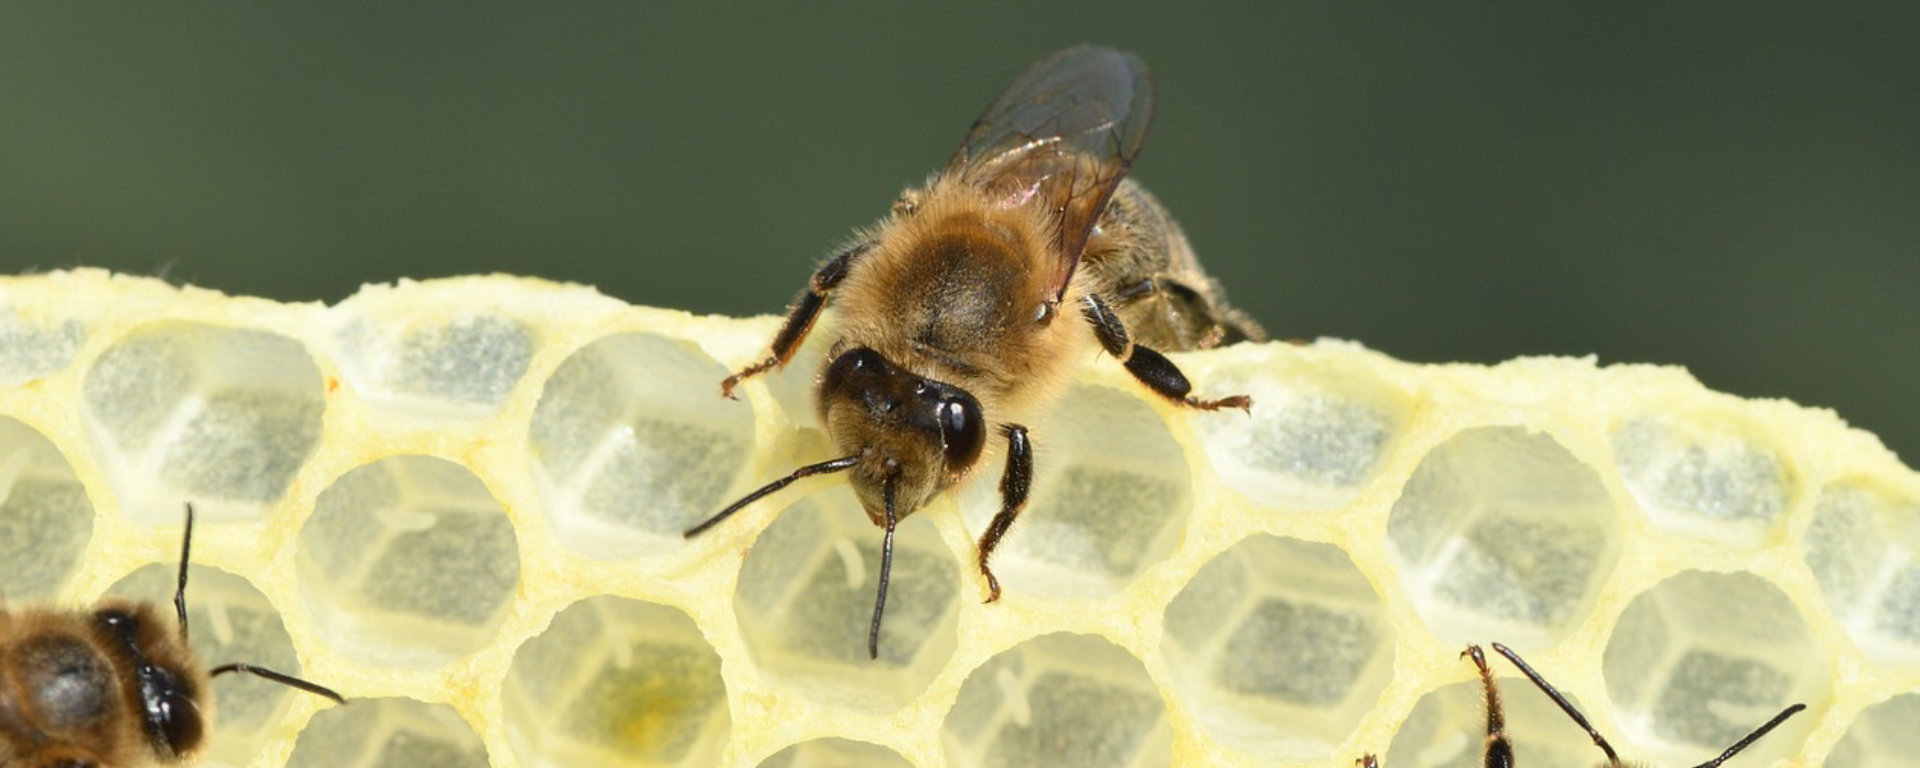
(1014, 485)
(1499, 752)
(1551, 692)
(800, 318)
(1150, 367)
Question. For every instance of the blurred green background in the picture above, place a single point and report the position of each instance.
(1733, 188)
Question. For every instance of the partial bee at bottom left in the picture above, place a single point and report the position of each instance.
(114, 686)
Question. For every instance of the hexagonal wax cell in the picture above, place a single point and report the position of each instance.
(1701, 659)
(222, 416)
(45, 516)
(1704, 479)
(1501, 533)
(1061, 700)
(1882, 736)
(1110, 499)
(232, 622)
(388, 733)
(1312, 439)
(805, 602)
(1448, 727)
(33, 345)
(1864, 548)
(462, 368)
(617, 683)
(835, 753)
(632, 444)
(1280, 646)
(407, 562)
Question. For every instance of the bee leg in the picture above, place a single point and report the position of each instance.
(1200, 321)
(1499, 752)
(1014, 484)
(1552, 693)
(1150, 367)
(800, 318)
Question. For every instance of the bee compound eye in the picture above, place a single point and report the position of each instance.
(172, 715)
(181, 723)
(865, 360)
(962, 430)
(853, 365)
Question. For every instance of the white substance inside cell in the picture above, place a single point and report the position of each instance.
(1015, 698)
(850, 559)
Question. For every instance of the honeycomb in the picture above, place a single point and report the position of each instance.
(459, 502)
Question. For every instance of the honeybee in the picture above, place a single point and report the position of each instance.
(962, 312)
(109, 687)
(1499, 752)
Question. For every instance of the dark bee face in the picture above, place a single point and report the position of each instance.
(168, 697)
(111, 687)
(923, 434)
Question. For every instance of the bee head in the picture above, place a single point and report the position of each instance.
(167, 683)
(920, 433)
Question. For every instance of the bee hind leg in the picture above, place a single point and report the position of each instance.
(1187, 317)
(1149, 366)
(800, 318)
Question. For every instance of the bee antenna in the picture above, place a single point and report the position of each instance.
(1567, 706)
(1752, 737)
(836, 465)
(279, 677)
(180, 592)
(886, 570)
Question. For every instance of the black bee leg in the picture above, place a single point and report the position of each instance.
(1150, 367)
(1166, 288)
(1014, 484)
(800, 318)
(1499, 752)
(1552, 693)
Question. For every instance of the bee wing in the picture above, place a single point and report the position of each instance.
(1062, 136)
